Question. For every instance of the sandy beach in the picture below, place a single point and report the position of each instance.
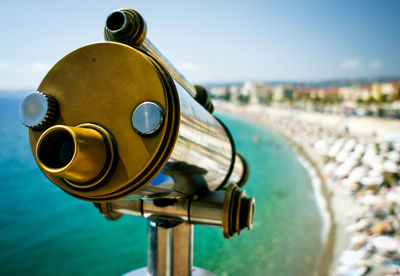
(355, 172)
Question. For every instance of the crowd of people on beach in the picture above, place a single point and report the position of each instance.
(364, 172)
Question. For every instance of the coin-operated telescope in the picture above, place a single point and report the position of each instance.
(114, 123)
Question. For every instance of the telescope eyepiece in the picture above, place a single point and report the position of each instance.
(116, 21)
(82, 156)
(125, 26)
(57, 149)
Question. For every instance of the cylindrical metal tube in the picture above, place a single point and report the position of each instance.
(208, 210)
(170, 249)
(160, 255)
(73, 153)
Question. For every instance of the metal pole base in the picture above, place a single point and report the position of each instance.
(196, 271)
(170, 251)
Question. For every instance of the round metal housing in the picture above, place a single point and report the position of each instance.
(175, 148)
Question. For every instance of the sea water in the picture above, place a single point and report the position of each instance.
(44, 231)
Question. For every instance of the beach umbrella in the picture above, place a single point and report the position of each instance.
(335, 148)
(349, 145)
(396, 144)
(359, 148)
(367, 181)
(386, 243)
(343, 170)
(384, 147)
(353, 257)
(393, 155)
(353, 270)
(329, 168)
(357, 173)
(343, 156)
(393, 196)
(321, 147)
(358, 240)
(358, 226)
(355, 155)
(390, 166)
(348, 183)
(371, 200)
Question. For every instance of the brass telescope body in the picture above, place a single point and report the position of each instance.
(115, 120)
(102, 84)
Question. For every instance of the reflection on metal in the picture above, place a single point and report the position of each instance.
(119, 126)
(202, 145)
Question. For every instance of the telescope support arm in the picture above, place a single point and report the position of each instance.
(231, 210)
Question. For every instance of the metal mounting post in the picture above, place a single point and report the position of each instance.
(170, 250)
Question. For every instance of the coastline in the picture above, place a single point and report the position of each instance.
(334, 202)
(324, 203)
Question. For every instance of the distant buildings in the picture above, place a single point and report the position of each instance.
(258, 92)
(355, 93)
(317, 93)
(220, 92)
(379, 92)
(283, 92)
(236, 92)
(380, 99)
(390, 90)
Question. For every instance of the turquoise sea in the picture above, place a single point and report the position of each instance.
(44, 231)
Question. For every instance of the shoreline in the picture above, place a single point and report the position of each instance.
(336, 201)
(320, 193)
(323, 200)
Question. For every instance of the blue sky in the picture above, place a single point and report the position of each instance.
(214, 41)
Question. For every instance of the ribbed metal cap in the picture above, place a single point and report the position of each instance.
(39, 111)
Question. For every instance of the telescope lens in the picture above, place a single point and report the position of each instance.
(115, 21)
(56, 149)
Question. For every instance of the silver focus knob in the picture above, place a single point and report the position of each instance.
(38, 111)
(147, 118)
